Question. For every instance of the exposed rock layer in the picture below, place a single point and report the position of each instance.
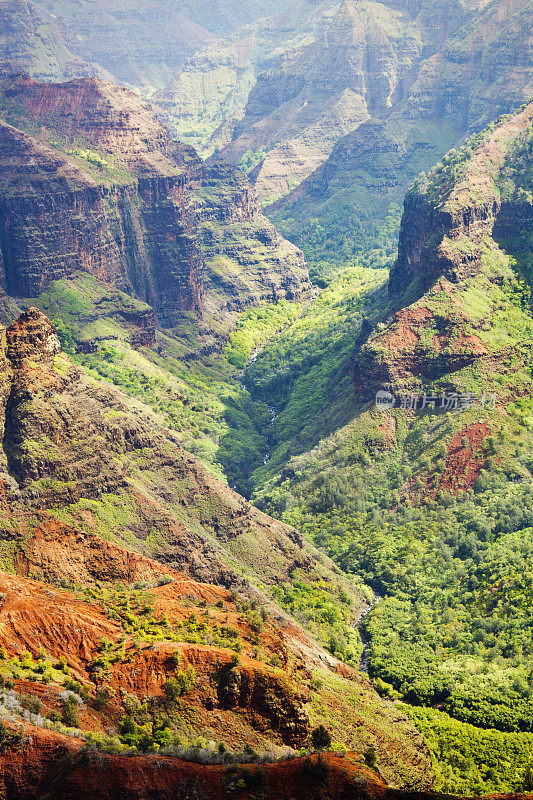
(127, 204)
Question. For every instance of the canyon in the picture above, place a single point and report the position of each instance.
(203, 512)
(72, 449)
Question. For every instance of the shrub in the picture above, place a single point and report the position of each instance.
(101, 699)
(180, 684)
(370, 756)
(69, 713)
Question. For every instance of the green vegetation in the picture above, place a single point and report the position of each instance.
(516, 190)
(444, 175)
(327, 612)
(303, 375)
(132, 606)
(455, 624)
(42, 669)
(453, 569)
(468, 761)
(69, 712)
(328, 245)
(251, 159)
(200, 397)
(352, 209)
(257, 326)
(10, 740)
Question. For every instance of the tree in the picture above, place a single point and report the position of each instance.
(528, 779)
(321, 738)
(69, 713)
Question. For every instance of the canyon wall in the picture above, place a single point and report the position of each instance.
(95, 183)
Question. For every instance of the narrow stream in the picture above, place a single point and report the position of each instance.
(364, 661)
(274, 414)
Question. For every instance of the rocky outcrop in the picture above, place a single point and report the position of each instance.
(66, 441)
(32, 336)
(129, 205)
(439, 221)
(447, 253)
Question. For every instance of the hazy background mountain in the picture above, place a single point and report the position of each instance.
(480, 70)
(140, 43)
(334, 108)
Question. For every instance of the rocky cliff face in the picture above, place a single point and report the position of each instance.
(73, 222)
(126, 203)
(205, 100)
(468, 201)
(448, 253)
(97, 114)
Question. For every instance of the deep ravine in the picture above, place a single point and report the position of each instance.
(364, 661)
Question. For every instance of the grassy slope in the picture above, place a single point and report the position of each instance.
(203, 401)
(305, 373)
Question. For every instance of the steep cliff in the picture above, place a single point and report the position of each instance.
(470, 311)
(103, 188)
(361, 59)
(352, 91)
(449, 337)
(426, 488)
(136, 43)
